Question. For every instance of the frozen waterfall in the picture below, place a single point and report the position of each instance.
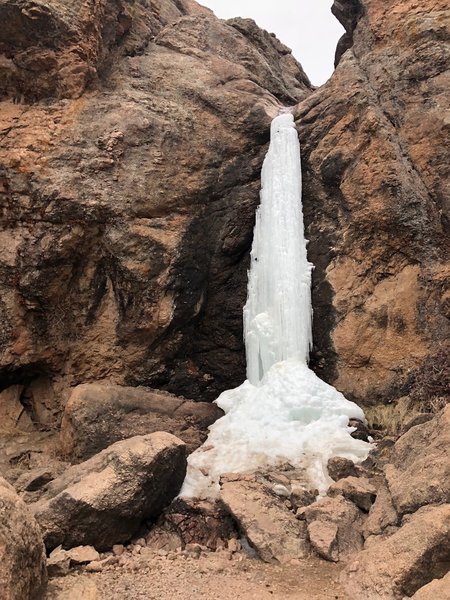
(283, 413)
(278, 312)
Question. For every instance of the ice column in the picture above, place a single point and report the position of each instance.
(278, 312)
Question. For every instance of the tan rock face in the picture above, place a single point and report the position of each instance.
(127, 213)
(375, 177)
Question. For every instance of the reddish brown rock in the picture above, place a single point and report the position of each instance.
(358, 490)
(99, 415)
(189, 521)
(269, 526)
(104, 500)
(339, 534)
(382, 513)
(339, 467)
(127, 212)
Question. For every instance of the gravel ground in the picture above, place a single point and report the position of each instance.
(213, 575)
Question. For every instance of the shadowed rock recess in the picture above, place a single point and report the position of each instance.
(132, 136)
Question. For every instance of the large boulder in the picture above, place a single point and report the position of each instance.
(103, 500)
(397, 566)
(420, 470)
(23, 572)
(98, 415)
(334, 527)
(263, 518)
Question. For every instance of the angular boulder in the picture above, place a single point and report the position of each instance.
(324, 539)
(382, 514)
(358, 490)
(339, 467)
(334, 527)
(103, 501)
(98, 415)
(272, 530)
(420, 469)
(23, 573)
(397, 566)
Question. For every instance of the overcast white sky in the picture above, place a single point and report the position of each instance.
(306, 26)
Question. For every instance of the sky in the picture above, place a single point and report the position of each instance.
(306, 26)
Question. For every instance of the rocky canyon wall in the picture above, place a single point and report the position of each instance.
(375, 151)
(131, 140)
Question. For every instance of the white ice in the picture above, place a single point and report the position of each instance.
(283, 413)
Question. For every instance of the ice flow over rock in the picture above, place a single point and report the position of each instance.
(283, 412)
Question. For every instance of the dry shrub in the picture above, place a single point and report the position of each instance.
(430, 383)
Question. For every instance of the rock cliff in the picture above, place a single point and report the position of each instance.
(132, 136)
(376, 198)
(132, 141)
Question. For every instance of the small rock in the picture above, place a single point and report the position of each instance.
(358, 490)
(361, 432)
(58, 563)
(234, 545)
(95, 566)
(301, 497)
(195, 549)
(34, 479)
(83, 554)
(339, 467)
(281, 490)
(98, 565)
(118, 549)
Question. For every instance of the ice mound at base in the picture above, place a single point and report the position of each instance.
(291, 417)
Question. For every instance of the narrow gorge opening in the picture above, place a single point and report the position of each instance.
(283, 413)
